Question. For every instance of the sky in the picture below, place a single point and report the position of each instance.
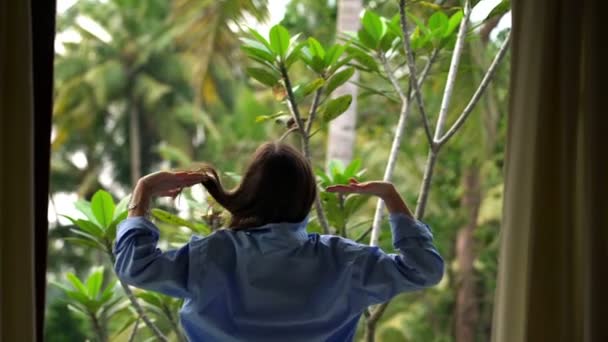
(64, 201)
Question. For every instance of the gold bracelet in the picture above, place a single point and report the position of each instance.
(136, 205)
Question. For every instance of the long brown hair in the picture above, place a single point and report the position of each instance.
(278, 186)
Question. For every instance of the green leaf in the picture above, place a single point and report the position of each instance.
(258, 37)
(333, 108)
(339, 79)
(108, 292)
(335, 167)
(102, 206)
(419, 24)
(175, 220)
(111, 231)
(79, 311)
(312, 61)
(367, 40)
(374, 26)
(438, 23)
(352, 168)
(294, 54)
(261, 56)
(309, 88)
(279, 40)
(87, 226)
(77, 284)
(121, 207)
(394, 25)
(150, 298)
(334, 53)
(84, 242)
(94, 282)
(79, 298)
(263, 76)
(316, 48)
(365, 60)
(85, 208)
(453, 23)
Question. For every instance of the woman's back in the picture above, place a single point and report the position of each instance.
(276, 281)
(263, 280)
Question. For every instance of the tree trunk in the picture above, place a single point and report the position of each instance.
(341, 137)
(134, 142)
(467, 308)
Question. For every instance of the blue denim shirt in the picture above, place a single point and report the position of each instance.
(276, 282)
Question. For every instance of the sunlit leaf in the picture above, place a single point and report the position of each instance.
(87, 226)
(279, 40)
(102, 206)
(77, 284)
(453, 23)
(175, 220)
(438, 23)
(374, 26)
(316, 48)
(94, 282)
(258, 37)
(85, 208)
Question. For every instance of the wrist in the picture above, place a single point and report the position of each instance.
(139, 204)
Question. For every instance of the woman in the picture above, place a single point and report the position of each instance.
(264, 278)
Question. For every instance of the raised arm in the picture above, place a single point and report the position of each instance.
(138, 260)
(378, 276)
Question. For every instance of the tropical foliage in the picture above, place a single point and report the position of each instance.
(168, 84)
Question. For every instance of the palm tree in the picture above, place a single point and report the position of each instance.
(129, 75)
(209, 33)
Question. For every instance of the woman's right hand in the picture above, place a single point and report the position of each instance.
(385, 190)
(377, 188)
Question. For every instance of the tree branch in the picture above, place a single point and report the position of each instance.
(291, 99)
(313, 110)
(477, 95)
(295, 111)
(393, 79)
(453, 71)
(140, 311)
(412, 67)
(392, 159)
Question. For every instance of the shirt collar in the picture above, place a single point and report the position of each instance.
(282, 230)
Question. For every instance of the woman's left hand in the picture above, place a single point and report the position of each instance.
(169, 183)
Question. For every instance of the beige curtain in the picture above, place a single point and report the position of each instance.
(17, 290)
(554, 241)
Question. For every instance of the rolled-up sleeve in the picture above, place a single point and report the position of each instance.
(139, 262)
(380, 276)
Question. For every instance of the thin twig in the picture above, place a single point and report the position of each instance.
(391, 76)
(375, 91)
(134, 331)
(313, 110)
(453, 71)
(412, 67)
(477, 95)
(140, 311)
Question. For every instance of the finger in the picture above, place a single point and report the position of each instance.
(171, 193)
(340, 188)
